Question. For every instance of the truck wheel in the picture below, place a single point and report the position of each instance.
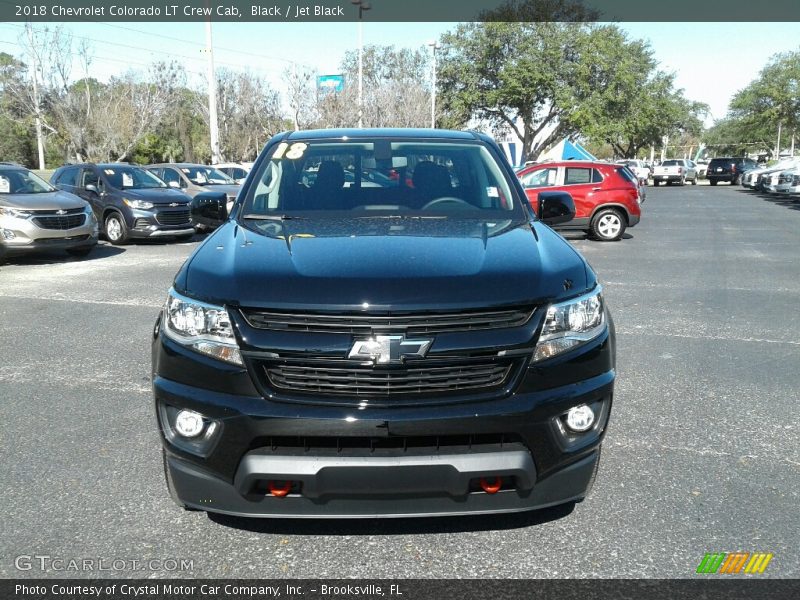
(115, 229)
(656, 182)
(683, 180)
(608, 225)
(694, 181)
(712, 181)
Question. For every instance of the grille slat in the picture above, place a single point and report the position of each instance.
(368, 323)
(60, 222)
(369, 381)
(173, 217)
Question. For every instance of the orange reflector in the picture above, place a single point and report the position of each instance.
(279, 491)
(491, 488)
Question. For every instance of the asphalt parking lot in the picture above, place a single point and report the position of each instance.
(701, 455)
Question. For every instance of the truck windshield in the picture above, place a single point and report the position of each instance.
(381, 178)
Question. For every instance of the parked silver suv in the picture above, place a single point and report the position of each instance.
(35, 216)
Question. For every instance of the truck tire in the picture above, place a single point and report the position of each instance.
(712, 181)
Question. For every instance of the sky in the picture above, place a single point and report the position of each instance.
(711, 60)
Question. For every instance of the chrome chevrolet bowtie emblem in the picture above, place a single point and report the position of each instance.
(383, 349)
(61, 212)
(175, 204)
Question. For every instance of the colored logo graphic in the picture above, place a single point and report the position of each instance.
(732, 563)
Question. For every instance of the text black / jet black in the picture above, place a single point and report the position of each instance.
(382, 327)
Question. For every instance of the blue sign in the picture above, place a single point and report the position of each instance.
(330, 83)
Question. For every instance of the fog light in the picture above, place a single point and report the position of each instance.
(8, 234)
(580, 418)
(189, 424)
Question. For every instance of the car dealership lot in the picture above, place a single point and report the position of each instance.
(701, 453)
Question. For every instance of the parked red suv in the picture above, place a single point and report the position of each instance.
(607, 196)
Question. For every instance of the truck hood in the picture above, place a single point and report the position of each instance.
(57, 200)
(384, 264)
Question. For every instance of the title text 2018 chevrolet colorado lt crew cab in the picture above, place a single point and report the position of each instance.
(383, 327)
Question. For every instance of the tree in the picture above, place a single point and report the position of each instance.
(49, 56)
(773, 99)
(622, 99)
(128, 108)
(248, 112)
(300, 81)
(18, 142)
(396, 90)
(521, 76)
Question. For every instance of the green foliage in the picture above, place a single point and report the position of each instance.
(512, 74)
(562, 79)
(622, 99)
(769, 101)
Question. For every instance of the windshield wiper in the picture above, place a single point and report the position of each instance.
(257, 217)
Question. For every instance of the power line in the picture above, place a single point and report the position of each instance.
(131, 47)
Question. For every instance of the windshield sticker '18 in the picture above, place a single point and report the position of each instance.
(296, 151)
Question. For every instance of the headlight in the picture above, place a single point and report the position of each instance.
(14, 212)
(203, 327)
(140, 204)
(571, 323)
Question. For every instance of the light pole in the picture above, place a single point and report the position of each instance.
(212, 98)
(433, 46)
(362, 6)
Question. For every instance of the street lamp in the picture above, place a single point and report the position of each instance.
(362, 6)
(434, 47)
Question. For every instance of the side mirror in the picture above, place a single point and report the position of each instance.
(90, 187)
(555, 207)
(210, 209)
(174, 184)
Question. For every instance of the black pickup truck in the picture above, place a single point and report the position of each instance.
(383, 327)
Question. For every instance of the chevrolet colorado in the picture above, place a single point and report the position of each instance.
(382, 326)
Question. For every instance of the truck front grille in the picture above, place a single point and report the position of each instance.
(355, 380)
(415, 323)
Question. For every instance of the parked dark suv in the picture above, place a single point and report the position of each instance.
(129, 202)
(422, 346)
(728, 169)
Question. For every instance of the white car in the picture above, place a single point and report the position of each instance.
(761, 179)
(750, 177)
(702, 167)
(236, 171)
(639, 168)
(788, 182)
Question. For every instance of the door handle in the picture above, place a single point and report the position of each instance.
(596, 189)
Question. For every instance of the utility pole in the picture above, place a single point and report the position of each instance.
(212, 98)
(433, 46)
(778, 144)
(362, 6)
(35, 66)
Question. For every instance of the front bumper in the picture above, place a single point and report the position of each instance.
(23, 235)
(160, 222)
(540, 464)
(381, 488)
